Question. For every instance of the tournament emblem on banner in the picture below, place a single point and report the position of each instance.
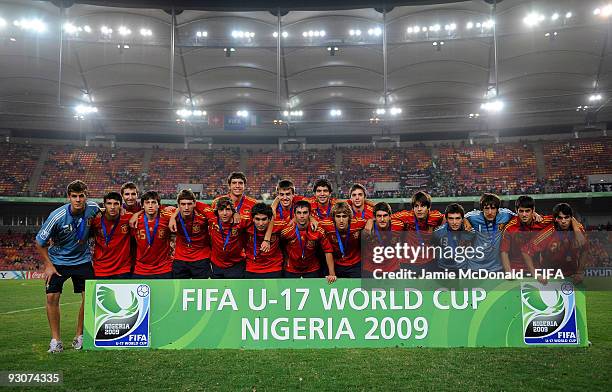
(122, 315)
(549, 313)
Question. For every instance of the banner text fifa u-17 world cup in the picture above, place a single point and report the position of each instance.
(309, 313)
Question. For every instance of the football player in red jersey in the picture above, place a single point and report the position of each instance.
(301, 245)
(361, 206)
(112, 258)
(421, 221)
(129, 193)
(236, 183)
(153, 251)
(344, 233)
(192, 250)
(560, 245)
(322, 201)
(283, 205)
(518, 231)
(261, 264)
(385, 232)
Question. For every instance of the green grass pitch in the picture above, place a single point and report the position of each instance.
(25, 337)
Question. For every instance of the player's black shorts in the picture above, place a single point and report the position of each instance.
(199, 269)
(351, 271)
(313, 274)
(263, 275)
(79, 274)
(236, 271)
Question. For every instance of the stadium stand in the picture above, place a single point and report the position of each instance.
(17, 163)
(17, 252)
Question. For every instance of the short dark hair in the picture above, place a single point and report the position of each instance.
(261, 208)
(112, 196)
(421, 197)
(185, 194)
(322, 182)
(358, 186)
(382, 206)
(489, 199)
(454, 208)
(222, 203)
(285, 184)
(302, 204)
(76, 186)
(564, 208)
(128, 185)
(150, 195)
(236, 175)
(524, 201)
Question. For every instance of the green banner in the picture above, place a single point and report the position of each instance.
(309, 313)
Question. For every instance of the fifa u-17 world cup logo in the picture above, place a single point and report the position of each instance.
(549, 313)
(122, 315)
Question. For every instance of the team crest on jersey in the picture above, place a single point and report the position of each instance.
(162, 233)
(196, 228)
(549, 313)
(121, 315)
(125, 228)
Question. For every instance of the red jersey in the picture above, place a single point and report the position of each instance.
(300, 254)
(227, 241)
(380, 237)
(517, 234)
(421, 235)
(556, 249)
(134, 208)
(286, 214)
(112, 257)
(351, 245)
(196, 227)
(154, 258)
(243, 205)
(318, 211)
(366, 213)
(270, 261)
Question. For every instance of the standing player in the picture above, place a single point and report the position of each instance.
(519, 231)
(260, 264)
(560, 245)
(454, 235)
(112, 258)
(283, 205)
(68, 257)
(301, 260)
(344, 234)
(488, 222)
(421, 221)
(129, 193)
(236, 183)
(192, 250)
(359, 203)
(153, 251)
(322, 201)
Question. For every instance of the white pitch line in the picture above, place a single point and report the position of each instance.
(39, 307)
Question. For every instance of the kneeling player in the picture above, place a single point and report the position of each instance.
(261, 264)
(453, 236)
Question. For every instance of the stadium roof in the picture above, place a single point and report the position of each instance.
(552, 56)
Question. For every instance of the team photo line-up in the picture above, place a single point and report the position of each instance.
(134, 236)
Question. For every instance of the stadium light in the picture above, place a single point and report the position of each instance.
(13, 39)
(554, 16)
(242, 113)
(416, 29)
(469, 25)
(595, 97)
(492, 106)
(395, 111)
(70, 28)
(355, 33)
(487, 24)
(377, 31)
(87, 28)
(335, 112)
(380, 111)
(242, 34)
(568, 15)
(533, 19)
(202, 34)
(2, 23)
(229, 51)
(474, 115)
(332, 50)
(146, 32)
(81, 111)
(124, 31)
(34, 25)
(106, 30)
(582, 108)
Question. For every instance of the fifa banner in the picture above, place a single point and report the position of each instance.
(309, 313)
